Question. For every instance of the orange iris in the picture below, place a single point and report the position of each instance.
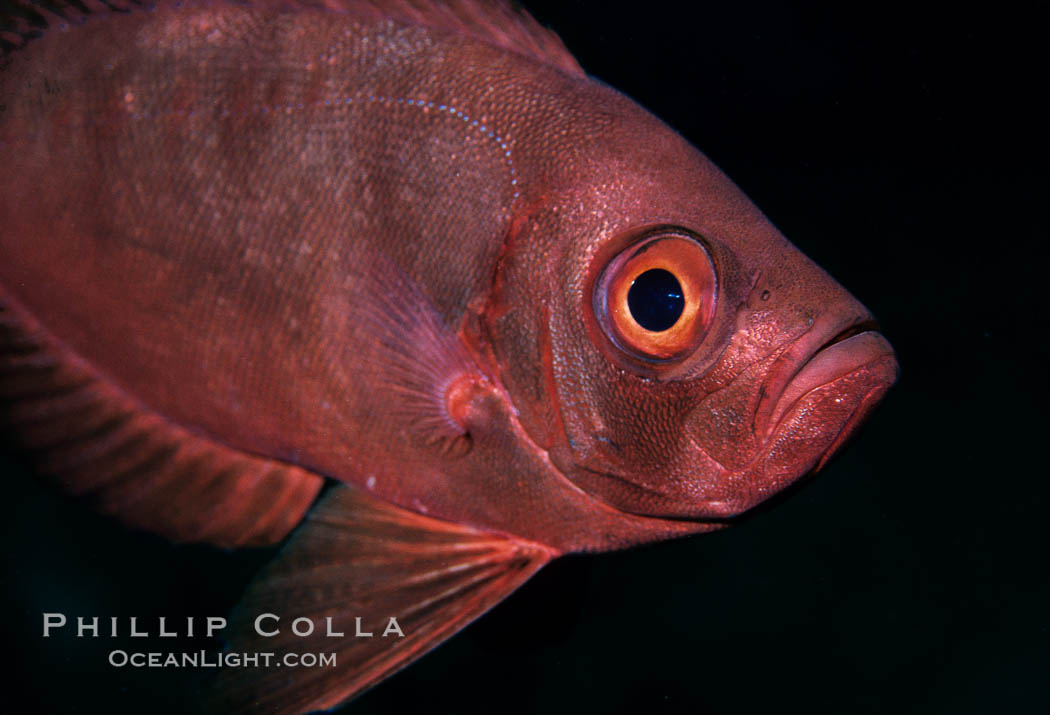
(656, 298)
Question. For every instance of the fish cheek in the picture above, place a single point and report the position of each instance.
(615, 434)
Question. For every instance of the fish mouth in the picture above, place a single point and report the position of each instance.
(818, 392)
(832, 349)
(848, 362)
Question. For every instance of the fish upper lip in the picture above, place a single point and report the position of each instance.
(828, 350)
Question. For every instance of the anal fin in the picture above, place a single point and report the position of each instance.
(356, 557)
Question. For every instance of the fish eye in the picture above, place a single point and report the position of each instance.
(656, 298)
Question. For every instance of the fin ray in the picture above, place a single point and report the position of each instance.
(421, 360)
(98, 444)
(330, 569)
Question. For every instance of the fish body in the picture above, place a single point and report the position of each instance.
(412, 249)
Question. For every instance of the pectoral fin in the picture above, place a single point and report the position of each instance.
(361, 562)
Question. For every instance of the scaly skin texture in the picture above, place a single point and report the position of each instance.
(219, 208)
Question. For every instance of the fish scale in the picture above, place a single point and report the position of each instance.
(388, 244)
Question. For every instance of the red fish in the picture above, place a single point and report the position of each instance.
(410, 248)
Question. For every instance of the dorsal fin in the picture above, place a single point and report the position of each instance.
(498, 22)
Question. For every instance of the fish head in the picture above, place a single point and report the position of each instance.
(662, 341)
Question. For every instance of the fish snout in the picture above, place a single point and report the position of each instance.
(815, 395)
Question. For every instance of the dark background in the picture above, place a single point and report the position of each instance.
(898, 148)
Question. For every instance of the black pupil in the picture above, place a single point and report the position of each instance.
(655, 300)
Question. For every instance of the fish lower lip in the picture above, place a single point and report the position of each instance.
(846, 354)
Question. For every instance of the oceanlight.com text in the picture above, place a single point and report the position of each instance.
(206, 659)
